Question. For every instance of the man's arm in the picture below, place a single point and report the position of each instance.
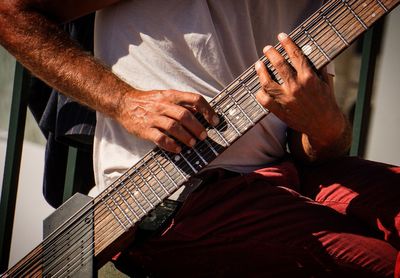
(306, 103)
(29, 31)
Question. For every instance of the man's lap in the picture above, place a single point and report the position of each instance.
(257, 224)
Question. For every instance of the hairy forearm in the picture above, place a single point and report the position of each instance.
(46, 50)
(335, 142)
(160, 116)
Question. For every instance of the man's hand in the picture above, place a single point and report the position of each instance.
(304, 101)
(163, 116)
(30, 31)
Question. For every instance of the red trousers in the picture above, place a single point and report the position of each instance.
(338, 219)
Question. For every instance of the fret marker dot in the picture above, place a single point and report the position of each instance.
(373, 14)
(188, 152)
(307, 49)
(197, 162)
(177, 158)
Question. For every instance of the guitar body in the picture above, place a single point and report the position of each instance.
(85, 263)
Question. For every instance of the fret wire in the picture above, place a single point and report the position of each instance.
(134, 199)
(220, 136)
(180, 163)
(236, 89)
(382, 6)
(117, 205)
(241, 110)
(206, 141)
(299, 42)
(252, 96)
(344, 18)
(188, 163)
(251, 104)
(165, 172)
(317, 45)
(150, 188)
(172, 163)
(160, 175)
(245, 104)
(157, 180)
(371, 13)
(230, 123)
(141, 191)
(177, 163)
(246, 94)
(161, 165)
(190, 158)
(115, 216)
(128, 207)
(204, 150)
(199, 155)
(134, 184)
(309, 57)
(296, 32)
(236, 119)
(235, 97)
(335, 30)
(363, 10)
(225, 97)
(326, 45)
(355, 15)
(308, 24)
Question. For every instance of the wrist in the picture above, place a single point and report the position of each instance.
(331, 141)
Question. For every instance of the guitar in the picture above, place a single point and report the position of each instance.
(106, 223)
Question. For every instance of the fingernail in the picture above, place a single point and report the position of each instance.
(203, 135)
(258, 65)
(215, 120)
(192, 142)
(178, 149)
(282, 36)
(267, 48)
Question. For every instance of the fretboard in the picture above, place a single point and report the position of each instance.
(321, 37)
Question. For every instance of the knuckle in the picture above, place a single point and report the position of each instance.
(280, 63)
(296, 88)
(260, 98)
(160, 139)
(172, 125)
(265, 85)
(298, 53)
(185, 115)
(197, 99)
(308, 77)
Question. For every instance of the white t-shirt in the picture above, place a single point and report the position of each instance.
(189, 45)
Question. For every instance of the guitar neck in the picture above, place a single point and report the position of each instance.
(324, 35)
